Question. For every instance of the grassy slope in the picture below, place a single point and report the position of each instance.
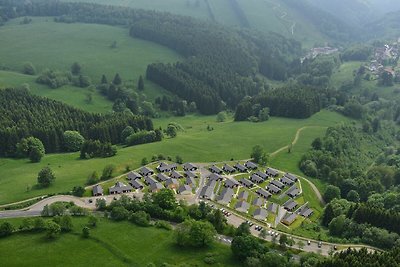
(227, 140)
(139, 246)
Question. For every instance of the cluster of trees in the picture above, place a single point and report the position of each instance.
(96, 149)
(144, 137)
(357, 53)
(175, 105)
(55, 79)
(25, 115)
(292, 102)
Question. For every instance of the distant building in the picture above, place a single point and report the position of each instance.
(97, 190)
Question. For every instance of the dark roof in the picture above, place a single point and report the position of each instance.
(120, 187)
(246, 182)
(149, 180)
(240, 167)
(272, 188)
(231, 183)
(134, 175)
(97, 189)
(190, 174)
(228, 168)
(272, 207)
(290, 204)
(207, 192)
(242, 206)
(212, 183)
(136, 184)
(184, 188)
(307, 212)
(215, 177)
(163, 167)
(277, 184)
(261, 174)
(162, 177)
(171, 181)
(293, 191)
(215, 169)
(258, 202)
(176, 174)
(189, 166)
(251, 165)
(289, 218)
(263, 193)
(190, 180)
(156, 186)
(226, 196)
(255, 178)
(286, 180)
(146, 171)
(291, 176)
(272, 172)
(243, 195)
(260, 214)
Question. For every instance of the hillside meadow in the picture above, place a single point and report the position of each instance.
(227, 140)
(110, 244)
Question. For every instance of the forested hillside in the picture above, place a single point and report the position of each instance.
(25, 115)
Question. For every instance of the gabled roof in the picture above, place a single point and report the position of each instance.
(255, 178)
(134, 175)
(190, 181)
(228, 168)
(215, 177)
(97, 189)
(226, 196)
(163, 167)
(149, 180)
(272, 188)
(184, 188)
(146, 171)
(215, 169)
(189, 166)
(251, 165)
(162, 177)
(273, 207)
(231, 183)
(190, 174)
(119, 187)
(307, 213)
(289, 218)
(156, 186)
(260, 214)
(243, 195)
(261, 174)
(171, 181)
(263, 193)
(212, 183)
(293, 191)
(176, 174)
(286, 180)
(207, 192)
(272, 172)
(240, 167)
(291, 176)
(246, 182)
(277, 184)
(242, 206)
(136, 184)
(258, 202)
(290, 204)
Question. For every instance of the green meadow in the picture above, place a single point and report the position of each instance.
(109, 244)
(228, 140)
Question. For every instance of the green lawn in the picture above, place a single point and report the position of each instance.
(110, 244)
(196, 144)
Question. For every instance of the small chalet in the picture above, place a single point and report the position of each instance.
(231, 183)
(262, 175)
(190, 181)
(120, 188)
(277, 184)
(226, 196)
(184, 190)
(263, 193)
(307, 213)
(242, 206)
(290, 205)
(215, 177)
(258, 202)
(176, 175)
(260, 214)
(273, 207)
(243, 195)
(145, 171)
(289, 218)
(136, 184)
(162, 177)
(97, 190)
(163, 167)
(228, 169)
(293, 192)
(207, 192)
(156, 187)
(134, 176)
(239, 167)
(245, 182)
(272, 172)
(291, 176)
(251, 165)
(172, 183)
(215, 169)
(286, 181)
(273, 189)
(189, 167)
(149, 180)
(190, 174)
(256, 179)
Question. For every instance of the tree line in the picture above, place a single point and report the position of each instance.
(25, 115)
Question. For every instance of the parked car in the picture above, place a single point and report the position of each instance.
(308, 242)
(319, 244)
(334, 247)
(90, 200)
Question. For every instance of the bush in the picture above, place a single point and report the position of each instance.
(107, 172)
(78, 191)
(119, 214)
(45, 177)
(85, 232)
(6, 229)
(209, 260)
(140, 218)
(29, 69)
(163, 225)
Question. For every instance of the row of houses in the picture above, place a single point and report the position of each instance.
(238, 167)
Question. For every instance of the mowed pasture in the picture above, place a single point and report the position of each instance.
(109, 244)
(228, 140)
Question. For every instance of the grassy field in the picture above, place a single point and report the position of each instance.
(196, 144)
(110, 244)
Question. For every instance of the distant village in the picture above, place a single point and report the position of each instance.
(316, 51)
(383, 56)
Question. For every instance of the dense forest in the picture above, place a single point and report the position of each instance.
(221, 61)
(25, 115)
